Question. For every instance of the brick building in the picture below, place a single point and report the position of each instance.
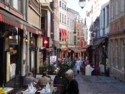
(117, 39)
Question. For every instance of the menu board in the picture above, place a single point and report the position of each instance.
(12, 70)
(8, 66)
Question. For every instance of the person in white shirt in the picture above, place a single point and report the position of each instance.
(78, 65)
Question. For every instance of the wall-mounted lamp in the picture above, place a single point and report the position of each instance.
(26, 40)
(45, 41)
(103, 46)
(31, 42)
(10, 37)
(11, 49)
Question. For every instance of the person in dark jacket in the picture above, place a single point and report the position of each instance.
(57, 79)
(72, 87)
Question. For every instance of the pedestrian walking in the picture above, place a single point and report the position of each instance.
(72, 86)
(78, 65)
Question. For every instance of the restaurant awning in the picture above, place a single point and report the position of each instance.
(12, 20)
(77, 50)
(62, 36)
(98, 42)
(64, 49)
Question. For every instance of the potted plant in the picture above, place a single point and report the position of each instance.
(42, 69)
(51, 69)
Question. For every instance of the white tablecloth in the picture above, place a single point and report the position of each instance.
(8, 89)
(23, 92)
(45, 92)
(28, 92)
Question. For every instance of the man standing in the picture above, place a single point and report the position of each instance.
(78, 65)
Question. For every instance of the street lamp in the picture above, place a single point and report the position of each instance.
(82, 3)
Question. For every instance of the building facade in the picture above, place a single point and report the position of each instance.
(46, 27)
(63, 35)
(100, 38)
(15, 41)
(34, 10)
(71, 16)
(55, 28)
(117, 39)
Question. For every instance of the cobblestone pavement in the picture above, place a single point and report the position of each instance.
(99, 85)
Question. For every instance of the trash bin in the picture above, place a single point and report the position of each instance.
(107, 73)
(88, 70)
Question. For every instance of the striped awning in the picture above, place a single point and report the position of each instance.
(64, 34)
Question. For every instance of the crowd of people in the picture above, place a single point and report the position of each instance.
(71, 86)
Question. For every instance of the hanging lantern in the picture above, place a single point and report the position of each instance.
(46, 42)
(82, 3)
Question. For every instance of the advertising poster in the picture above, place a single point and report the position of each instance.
(53, 59)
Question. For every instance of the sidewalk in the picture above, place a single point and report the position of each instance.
(99, 85)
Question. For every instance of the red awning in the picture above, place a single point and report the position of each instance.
(82, 41)
(66, 34)
(1, 18)
(62, 33)
(64, 49)
(10, 19)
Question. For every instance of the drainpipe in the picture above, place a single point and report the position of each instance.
(26, 15)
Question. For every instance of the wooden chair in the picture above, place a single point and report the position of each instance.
(59, 87)
(25, 86)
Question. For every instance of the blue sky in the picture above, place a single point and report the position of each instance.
(74, 4)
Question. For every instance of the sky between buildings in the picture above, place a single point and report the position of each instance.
(74, 4)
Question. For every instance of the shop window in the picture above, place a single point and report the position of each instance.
(20, 5)
(14, 4)
(60, 3)
(13, 64)
(44, 21)
(17, 4)
(60, 36)
(65, 7)
(60, 17)
(2, 0)
(11, 56)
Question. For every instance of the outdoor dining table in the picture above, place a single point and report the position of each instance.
(9, 90)
(38, 91)
(35, 92)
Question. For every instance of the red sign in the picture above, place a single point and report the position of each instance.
(1, 18)
(46, 42)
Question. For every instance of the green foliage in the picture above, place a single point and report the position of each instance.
(49, 68)
(42, 68)
(63, 68)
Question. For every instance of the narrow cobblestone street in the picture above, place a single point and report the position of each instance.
(99, 85)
